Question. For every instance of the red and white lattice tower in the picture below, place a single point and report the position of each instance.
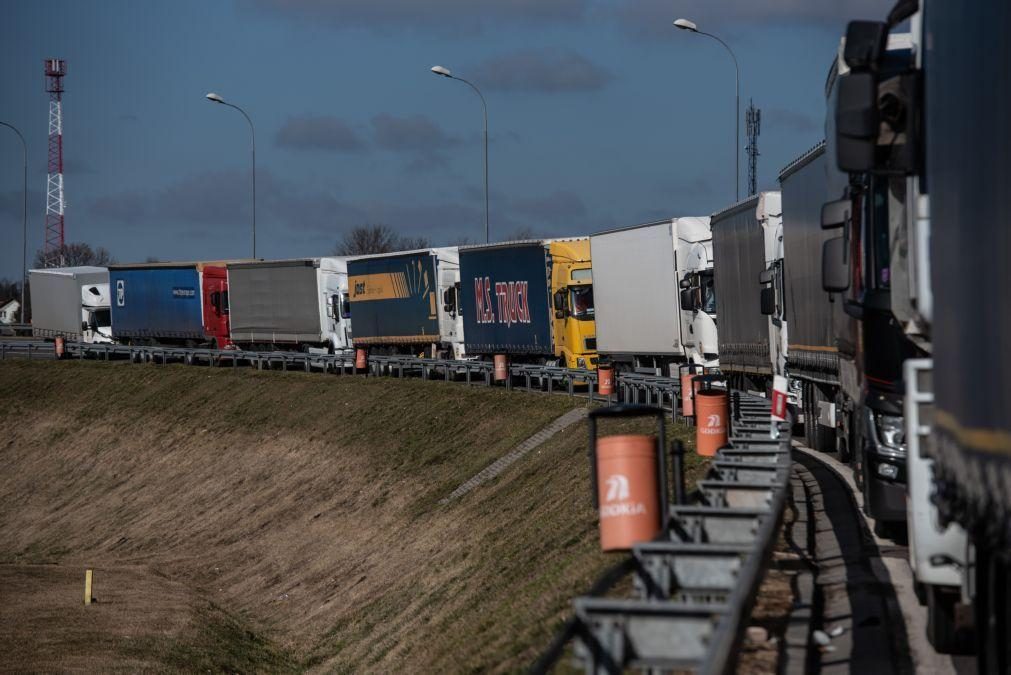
(53, 250)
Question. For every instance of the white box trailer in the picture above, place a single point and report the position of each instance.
(72, 303)
(290, 304)
(653, 295)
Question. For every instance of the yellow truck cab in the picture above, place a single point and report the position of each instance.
(573, 326)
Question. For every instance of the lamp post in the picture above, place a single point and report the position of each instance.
(445, 72)
(217, 99)
(24, 218)
(685, 24)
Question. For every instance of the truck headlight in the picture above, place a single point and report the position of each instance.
(580, 362)
(889, 471)
(891, 432)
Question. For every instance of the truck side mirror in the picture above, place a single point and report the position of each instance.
(84, 326)
(835, 214)
(687, 300)
(767, 300)
(685, 283)
(856, 122)
(765, 277)
(835, 267)
(865, 43)
(559, 300)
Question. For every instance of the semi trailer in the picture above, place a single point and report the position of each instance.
(173, 303)
(300, 304)
(408, 302)
(659, 312)
(72, 303)
(820, 349)
(531, 301)
(746, 246)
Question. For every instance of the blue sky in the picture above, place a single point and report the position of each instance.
(601, 114)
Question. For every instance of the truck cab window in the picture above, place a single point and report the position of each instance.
(581, 301)
(224, 302)
(345, 306)
(707, 286)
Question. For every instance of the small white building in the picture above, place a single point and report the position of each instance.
(9, 312)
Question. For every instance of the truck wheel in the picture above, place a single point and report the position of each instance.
(941, 631)
(992, 595)
(809, 422)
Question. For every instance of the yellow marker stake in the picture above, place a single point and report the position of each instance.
(87, 587)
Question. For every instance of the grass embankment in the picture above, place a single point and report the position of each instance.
(243, 520)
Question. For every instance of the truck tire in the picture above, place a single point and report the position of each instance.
(941, 627)
(991, 603)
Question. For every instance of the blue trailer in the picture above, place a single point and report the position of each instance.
(504, 292)
(406, 302)
(156, 303)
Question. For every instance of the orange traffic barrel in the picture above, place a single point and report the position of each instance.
(687, 407)
(59, 347)
(605, 379)
(627, 491)
(711, 412)
(501, 368)
(361, 359)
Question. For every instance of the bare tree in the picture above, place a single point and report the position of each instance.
(377, 238)
(77, 254)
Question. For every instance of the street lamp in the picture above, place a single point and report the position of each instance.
(217, 99)
(24, 218)
(685, 24)
(445, 72)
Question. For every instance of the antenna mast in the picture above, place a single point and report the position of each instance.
(53, 249)
(753, 120)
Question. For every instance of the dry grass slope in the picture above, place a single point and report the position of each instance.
(242, 520)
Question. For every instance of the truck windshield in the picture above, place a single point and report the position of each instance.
(708, 290)
(581, 301)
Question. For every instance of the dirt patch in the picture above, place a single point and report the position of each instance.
(295, 517)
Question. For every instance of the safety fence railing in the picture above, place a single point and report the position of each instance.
(628, 387)
(694, 586)
(31, 351)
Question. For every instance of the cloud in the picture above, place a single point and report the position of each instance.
(416, 136)
(320, 132)
(654, 18)
(791, 120)
(222, 199)
(440, 16)
(541, 70)
(560, 207)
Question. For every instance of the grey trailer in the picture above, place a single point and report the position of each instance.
(739, 260)
(819, 328)
(290, 304)
(58, 308)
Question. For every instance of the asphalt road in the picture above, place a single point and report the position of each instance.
(867, 564)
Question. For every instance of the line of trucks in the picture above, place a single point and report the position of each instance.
(532, 300)
(875, 280)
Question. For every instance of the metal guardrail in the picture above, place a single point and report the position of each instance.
(693, 589)
(629, 387)
(30, 350)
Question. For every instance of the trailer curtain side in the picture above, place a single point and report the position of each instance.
(738, 261)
